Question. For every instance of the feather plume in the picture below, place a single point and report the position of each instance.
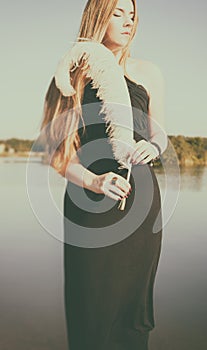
(108, 78)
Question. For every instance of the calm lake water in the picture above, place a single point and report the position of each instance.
(31, 265)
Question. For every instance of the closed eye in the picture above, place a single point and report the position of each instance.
(120, 16)
(122, 10)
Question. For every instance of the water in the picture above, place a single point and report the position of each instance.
(31, 260)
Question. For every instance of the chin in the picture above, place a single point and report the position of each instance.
(122, 42)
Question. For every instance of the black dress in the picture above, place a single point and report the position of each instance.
(111, 256)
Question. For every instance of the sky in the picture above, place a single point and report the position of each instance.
(36, 34)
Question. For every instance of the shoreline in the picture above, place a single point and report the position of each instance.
(42, 159)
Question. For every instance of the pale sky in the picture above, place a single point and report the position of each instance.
(36, 34)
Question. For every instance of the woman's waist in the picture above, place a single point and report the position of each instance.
(138, 175)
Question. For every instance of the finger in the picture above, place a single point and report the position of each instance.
(112, 195)
(139, 156)
(146, 160)
(116, 190)
(141, 143)
(142, 156)
(122, 183)
(138, 153)
(124, 186)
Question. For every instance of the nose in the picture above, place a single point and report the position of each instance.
(128, 22)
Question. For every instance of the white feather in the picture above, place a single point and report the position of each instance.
(108, 78)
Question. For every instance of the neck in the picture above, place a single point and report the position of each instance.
(117, 52)
(117, 57)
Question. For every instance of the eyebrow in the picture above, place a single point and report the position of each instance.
(122, 10)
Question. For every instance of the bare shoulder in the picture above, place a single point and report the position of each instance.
(145, 73)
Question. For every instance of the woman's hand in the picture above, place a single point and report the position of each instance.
(144, 152)
(112, 185)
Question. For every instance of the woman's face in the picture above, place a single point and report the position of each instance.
(118, 32)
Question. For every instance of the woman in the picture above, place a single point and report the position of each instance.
(108, 287)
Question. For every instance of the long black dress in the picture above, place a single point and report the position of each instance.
(109, 287)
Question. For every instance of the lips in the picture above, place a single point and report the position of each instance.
(127, 33)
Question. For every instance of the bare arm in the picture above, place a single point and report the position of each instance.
(145, 151)
(83, 177)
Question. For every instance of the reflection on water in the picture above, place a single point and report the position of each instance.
(192, 178)
(32, 306)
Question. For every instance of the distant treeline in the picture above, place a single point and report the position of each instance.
(19, 145)
(189, 150)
